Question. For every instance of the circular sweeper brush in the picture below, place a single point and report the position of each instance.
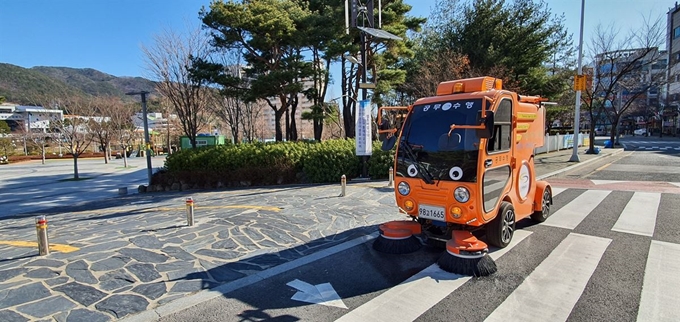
(466, 255)
(396, 237)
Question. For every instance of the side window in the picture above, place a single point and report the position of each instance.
(494, 181)
(502, 128)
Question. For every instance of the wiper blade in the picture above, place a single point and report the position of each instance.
(421, 170)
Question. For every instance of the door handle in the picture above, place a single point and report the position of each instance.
(487, 163)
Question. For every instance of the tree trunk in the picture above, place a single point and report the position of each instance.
(613, 137)
(318, 128)
(43, 153)
(278, 114)
(75, 166)
(106, 154)
(125, 162)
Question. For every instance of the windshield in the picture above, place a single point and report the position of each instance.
(442, 155)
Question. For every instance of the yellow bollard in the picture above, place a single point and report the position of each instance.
(343, 183)
(190, 211)
(41, 230)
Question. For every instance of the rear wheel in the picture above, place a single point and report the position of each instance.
(546, 202)
(500, 230)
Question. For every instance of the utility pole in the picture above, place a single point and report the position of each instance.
(146, 132)
(577, 112)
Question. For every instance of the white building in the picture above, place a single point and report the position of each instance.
(156, 121)
(29, 118)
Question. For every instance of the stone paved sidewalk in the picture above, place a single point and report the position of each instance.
(137, 253)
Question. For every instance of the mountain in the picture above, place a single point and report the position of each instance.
(29, 85)
(25, 86)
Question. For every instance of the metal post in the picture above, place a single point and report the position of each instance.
(41, 231)
(391, 182)
(146, 133)
(577, 116)
(343, 184)
(190, 211)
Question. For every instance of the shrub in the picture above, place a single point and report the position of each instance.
(269, 164)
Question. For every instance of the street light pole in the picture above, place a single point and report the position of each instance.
(146, 132)
(577, 113)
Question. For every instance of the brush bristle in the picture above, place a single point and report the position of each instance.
(397, 246)
(481, 266)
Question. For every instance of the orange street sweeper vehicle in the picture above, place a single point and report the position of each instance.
(464, 171)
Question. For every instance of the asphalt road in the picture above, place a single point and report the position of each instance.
(609, 252)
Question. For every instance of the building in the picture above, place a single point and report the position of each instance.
(639, 74)
(305, 128)
(671, 101)
(29, 118)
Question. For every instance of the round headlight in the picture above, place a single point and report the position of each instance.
(403, 188)
(461, 194)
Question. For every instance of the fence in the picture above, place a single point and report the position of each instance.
(562, 141)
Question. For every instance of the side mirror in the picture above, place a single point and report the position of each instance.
(488, 121)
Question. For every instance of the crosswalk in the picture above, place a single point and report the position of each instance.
(572, 273)
(669, 146)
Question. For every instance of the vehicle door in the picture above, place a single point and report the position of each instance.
(497, 172)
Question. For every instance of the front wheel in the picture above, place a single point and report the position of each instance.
(500, 230)
(546, 202)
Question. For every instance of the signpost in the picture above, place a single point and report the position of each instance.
(363, 129)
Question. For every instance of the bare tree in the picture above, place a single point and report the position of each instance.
(622, 72)
(253, 124)
(122, 127)
(74, 128)
(169, 61)
(101, 126)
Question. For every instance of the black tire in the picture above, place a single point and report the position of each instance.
(546, 202)
(500, 230)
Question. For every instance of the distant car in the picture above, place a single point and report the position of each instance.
(600, 131)
(640, 132)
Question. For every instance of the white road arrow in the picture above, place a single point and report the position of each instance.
(323, 294)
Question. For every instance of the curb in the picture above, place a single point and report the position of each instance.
(571, 167)
(209, 294)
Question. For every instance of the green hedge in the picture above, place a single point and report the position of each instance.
(271, 163)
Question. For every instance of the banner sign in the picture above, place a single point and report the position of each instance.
(363, 130)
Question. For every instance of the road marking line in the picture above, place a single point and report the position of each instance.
(216, 207)
(55, 247)
(639, 216)
(413, 297)
(604, 166)
(578, 209)
(599, 182)
(557, 191)
(661, 285)
(550, 292)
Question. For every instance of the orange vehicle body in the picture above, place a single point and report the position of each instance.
(459, 174)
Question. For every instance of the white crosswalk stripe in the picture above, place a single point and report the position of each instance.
(551, 291)
(639, 216)
(572, 214)
(661, 288)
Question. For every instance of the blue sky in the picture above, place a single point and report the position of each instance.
(107, 34)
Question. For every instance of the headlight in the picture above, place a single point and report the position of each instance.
(461, 194)
(403, 188)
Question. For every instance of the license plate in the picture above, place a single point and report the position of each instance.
(431, 212)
